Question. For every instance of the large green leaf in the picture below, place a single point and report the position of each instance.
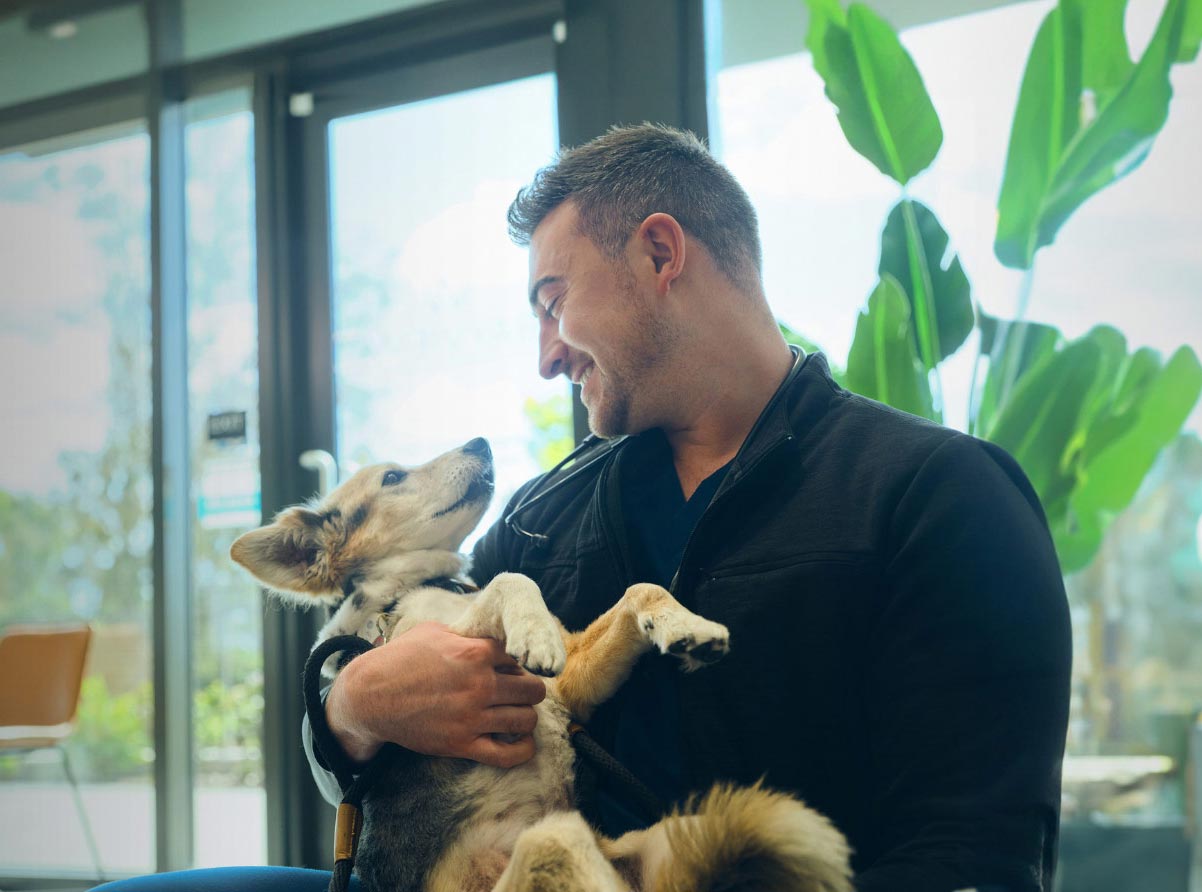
(1100, 404)
(1120, 137)
(1044, 121)
(824, 15)
(1152, 408)
(1121, 410)
(914, 250)
(1061, 151)
(1038, 422)
(883, 363)
(1105, 59)
(884, 109)
(1191, 32)
(1012, 348)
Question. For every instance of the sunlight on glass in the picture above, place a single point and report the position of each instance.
(227, 712)
(433, 339)
(75, 483)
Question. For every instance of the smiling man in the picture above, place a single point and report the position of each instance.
(899, 630)
(899, 633)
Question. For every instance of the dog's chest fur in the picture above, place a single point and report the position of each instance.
(456, 819)
(450, 818)
(507, 801)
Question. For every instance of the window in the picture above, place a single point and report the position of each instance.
(76, 490)
(223, 391)
(433, 339)
(1128, 257)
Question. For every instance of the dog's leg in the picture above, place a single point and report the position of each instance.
(559, 854)
(511, 609)
(600, 658)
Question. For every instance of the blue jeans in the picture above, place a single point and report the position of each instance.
(230, 879)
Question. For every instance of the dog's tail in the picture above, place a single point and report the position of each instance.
(739, 839)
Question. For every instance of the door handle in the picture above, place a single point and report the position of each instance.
(326, 467)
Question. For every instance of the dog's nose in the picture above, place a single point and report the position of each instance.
(478, 446)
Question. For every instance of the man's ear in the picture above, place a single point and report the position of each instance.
(281, 554)
(661, 240)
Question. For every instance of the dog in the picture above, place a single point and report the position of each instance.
(377, 551)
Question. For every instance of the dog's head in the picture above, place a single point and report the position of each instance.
(381, 512)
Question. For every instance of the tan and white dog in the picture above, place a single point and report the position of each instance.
(377, 550)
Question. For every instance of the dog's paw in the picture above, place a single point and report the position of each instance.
(696, 641)
(538, 646)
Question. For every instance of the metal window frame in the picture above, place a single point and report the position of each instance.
(172, 459)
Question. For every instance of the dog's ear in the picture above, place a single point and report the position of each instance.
(283, 554)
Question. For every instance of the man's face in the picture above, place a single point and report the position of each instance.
(595, 327)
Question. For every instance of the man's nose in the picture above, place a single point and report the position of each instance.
(552, 352)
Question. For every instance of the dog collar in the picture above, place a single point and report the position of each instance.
(459, 586)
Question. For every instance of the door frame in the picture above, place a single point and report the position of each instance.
(296, 347)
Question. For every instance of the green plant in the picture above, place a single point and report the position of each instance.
(112, 733)
(551, 429)
(1084, 417)
(227, 724)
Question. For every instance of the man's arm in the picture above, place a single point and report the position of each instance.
(433, 692)
(969, 684)
(436, 693)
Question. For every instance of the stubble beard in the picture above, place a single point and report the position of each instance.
(632, 368)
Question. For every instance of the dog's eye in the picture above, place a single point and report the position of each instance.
(392, 478)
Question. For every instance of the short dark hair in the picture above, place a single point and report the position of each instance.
(619, 179)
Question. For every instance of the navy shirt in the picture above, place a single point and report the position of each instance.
(643, 724)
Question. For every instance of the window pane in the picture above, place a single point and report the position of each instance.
(434, 342)
(76, 534)
(223, 387)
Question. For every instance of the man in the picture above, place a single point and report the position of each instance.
(900, 639)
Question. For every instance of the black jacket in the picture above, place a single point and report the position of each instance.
(900, 645)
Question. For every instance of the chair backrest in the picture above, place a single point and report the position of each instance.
(41, 669)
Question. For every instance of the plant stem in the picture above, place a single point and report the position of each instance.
(922, 300)
(974, 399)
(1012, 334)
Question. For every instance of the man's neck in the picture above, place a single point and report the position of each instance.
(717, 430)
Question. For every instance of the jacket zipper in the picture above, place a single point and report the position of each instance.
(719, 497)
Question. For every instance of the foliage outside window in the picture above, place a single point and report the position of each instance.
(1130, 551)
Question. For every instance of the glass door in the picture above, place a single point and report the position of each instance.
(401, 321)
(433, 342)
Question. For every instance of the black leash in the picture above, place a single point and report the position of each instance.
(349, 821)
(640, 795)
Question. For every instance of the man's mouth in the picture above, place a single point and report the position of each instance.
(584, 375)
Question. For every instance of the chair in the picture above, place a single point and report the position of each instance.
(41, 671)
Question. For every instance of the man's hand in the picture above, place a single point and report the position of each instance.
(436, 693)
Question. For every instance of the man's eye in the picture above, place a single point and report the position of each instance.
(392, 478)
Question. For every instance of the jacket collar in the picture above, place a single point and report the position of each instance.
(788, 418)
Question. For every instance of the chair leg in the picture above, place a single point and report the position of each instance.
(83, 815)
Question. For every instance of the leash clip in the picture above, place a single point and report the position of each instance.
(347, 827)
